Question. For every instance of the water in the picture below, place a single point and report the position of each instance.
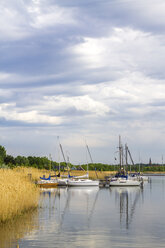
(93, 217)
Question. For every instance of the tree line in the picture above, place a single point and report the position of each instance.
(8, 161)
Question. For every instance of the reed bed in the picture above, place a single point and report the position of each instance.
(35, 174)
(92, 174)
(17, 194)
(32, 173)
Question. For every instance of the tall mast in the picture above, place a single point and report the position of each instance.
(126, 157)
(64, 158)
(89, 153)
(59, 165)
(120, 153)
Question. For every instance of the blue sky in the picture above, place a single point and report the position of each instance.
(82, 70)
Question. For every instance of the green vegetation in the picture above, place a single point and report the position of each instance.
(8, 161)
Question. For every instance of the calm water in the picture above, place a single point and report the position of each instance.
(92, 217)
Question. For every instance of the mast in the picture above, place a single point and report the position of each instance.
(130, 157)
(64, 157)
(59, 165)
(120, 153)
(90, 159)
(89, 153)
(126, 157)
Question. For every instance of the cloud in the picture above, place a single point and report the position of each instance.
(20, 19)
(81, 103)
(91, 68)
(9, 112)
(123, 50)
(50, 16)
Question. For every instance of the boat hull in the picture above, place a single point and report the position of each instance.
(82, 183)
(125, 183)
(62, 182)
(47, 184)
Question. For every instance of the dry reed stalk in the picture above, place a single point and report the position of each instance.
(92, 174)
(17, 194)
(34, 172)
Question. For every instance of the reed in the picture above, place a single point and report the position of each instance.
(92, 174)
(36, 173)
(32, 173)
(17, 194)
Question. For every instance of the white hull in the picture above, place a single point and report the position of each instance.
(144, 178)
(139, 178)
(125, 182)
(63, 182)
(82, 182)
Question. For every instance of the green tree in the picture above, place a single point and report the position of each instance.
(2, 154)
(21, 161)
(9, 160)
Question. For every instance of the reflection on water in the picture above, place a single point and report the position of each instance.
(13, 230)
(93, 217)
(64, 203)
(126, 200)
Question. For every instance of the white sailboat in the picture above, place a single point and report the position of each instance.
(125, 182)
(79, 181)
(122, 179)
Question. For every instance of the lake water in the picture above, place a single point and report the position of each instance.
(92, 217)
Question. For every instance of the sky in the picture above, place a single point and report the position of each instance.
(85, 71)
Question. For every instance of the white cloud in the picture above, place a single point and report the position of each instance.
(48, 17)
(11, 113)
(4, 76)
(13, 23)
(111, 82)
(19, 19)
(151, 12)
(124, 49)
(81, 103)
(23, 78)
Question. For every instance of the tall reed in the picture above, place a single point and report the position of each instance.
(92, 174)
(17, 194)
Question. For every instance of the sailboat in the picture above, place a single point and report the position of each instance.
(65, 181)
(47, 182)
(122, 178)
(78, 182)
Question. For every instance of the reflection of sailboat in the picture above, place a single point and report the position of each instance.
(78, 201)
(128, 198)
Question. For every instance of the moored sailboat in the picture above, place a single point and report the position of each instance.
(122, 178)
(79, 181)
(47, 182)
